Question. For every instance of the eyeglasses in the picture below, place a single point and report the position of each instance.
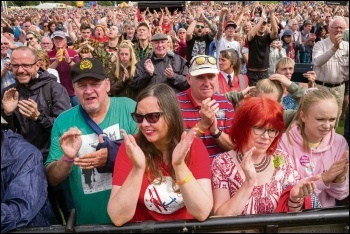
(338, 28)
(201, 60)
(260, 131)
(199, 26)
(5, 43)
(150, 117)
(30, 38)
(45, 25)
(24, 66)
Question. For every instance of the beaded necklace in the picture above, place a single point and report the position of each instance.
(261, 166)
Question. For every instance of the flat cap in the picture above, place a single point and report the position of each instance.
(159, 36)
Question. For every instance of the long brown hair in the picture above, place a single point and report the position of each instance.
(169, 105)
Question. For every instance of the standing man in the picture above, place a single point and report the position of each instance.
(259, 40)
(197, 41)
(331, 61)
(161, 66)
(73, 142)
(26, 106)
(143, 47)
(63, 62)
(211, 113)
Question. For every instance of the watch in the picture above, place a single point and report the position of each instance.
(40, 118)
(217, 135)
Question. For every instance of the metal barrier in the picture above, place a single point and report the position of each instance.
(326, 220)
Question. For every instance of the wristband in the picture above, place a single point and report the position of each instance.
(66, 159)
(199, 129)
(217, 135)
(188, 178)
(296, 202)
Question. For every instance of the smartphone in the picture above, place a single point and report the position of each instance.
(299, 70)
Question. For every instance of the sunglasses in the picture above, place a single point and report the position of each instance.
(30, 38)
(150, 117)
(199, 26)
(201, 60)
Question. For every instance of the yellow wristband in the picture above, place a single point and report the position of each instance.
(199, 129)
(188, 178)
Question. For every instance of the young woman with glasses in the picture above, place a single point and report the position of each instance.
(251, 178)
(33, 40)
(163, 173)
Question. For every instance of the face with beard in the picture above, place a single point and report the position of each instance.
(199, 29)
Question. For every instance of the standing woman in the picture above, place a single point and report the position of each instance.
(124, 71)
(164, 172)
(315, 147)
(44, 63)
(230, 77)
(251, 178)
(33, 40)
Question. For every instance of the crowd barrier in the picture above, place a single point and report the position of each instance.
(327, 220)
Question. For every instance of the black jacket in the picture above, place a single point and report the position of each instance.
(178, 82)
(38, 132)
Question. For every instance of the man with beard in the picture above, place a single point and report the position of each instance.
(198, 42)
(259, 40)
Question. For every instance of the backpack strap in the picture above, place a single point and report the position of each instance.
(47, 90)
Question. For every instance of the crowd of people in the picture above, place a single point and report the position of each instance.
(204, 99)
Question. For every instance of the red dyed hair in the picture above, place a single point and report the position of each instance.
(256, 111)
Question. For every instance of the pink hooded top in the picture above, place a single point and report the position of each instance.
(318, 161)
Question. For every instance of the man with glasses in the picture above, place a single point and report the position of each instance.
(331, 61)
(73, 142)
(161, 66)
(197, 41)
(211, 113)
(25, 105)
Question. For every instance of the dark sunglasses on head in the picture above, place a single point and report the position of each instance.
(199, 26)
(201, 60)
(150, 117)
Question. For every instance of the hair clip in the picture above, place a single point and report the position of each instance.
(309, 90)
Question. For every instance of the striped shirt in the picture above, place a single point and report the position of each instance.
(190, 114)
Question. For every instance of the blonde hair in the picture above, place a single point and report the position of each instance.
(42, 54)
(128, 45)
(268, 86)
(283, 61)
(308, 100)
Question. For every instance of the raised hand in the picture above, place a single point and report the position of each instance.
(247, 166)
(10, 101)
(169, 72)
(208, 111)
(338, 169)
(134, 152)
(149, 67)
(304, 188)
(29, 109)
(70, 142)
(182, 148)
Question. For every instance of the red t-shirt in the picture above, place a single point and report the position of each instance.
(158, 201)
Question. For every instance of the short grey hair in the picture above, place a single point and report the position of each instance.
(337, 18)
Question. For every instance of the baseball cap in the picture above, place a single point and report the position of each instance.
(60, 34)
(203, 64)
(231, 24)
(88, 67)
(159, 36)
(307, 22)
(288, 32)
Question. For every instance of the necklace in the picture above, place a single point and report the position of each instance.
(261, 166)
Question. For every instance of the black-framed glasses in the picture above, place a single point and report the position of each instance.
(150, 117)
(260, 131)
(200, 60)
(24, 66)
(200, 26)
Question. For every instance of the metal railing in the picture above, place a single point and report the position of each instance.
(321, 220)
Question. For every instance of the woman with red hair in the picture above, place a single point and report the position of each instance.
(251, 178)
